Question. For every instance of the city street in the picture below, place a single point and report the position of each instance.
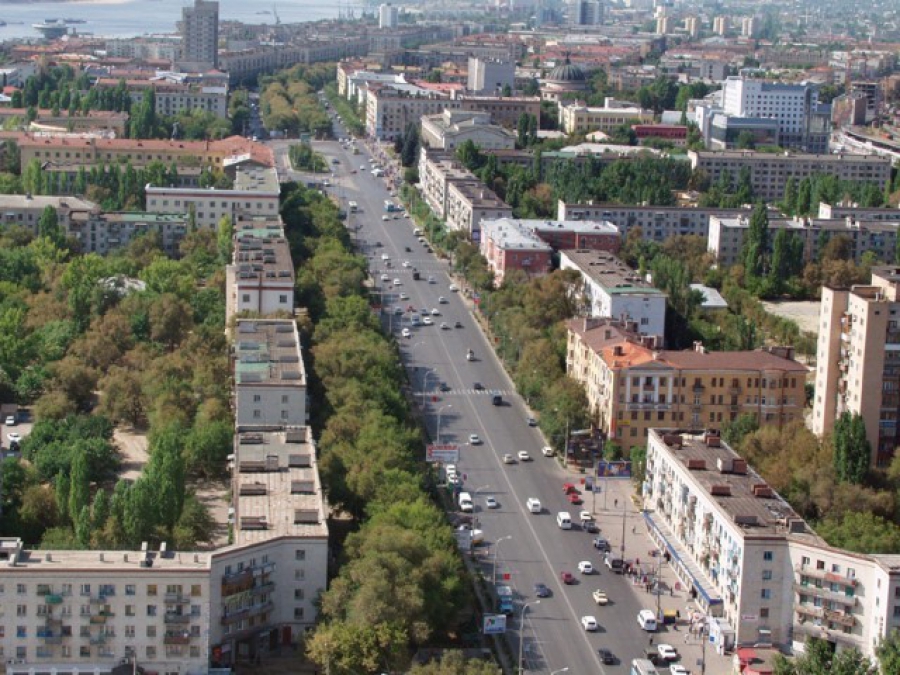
(455, 395)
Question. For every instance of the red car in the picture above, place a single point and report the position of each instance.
(574, 498)
(567, 578)
(569, 488)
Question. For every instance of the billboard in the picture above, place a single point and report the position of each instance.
(447, 453)
(494, 624)
(615, 469)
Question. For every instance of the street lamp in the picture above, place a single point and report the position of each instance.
(425, 385)
(497, 553)
(522, 635)
(449, 405)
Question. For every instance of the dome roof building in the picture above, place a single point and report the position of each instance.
(565, 78)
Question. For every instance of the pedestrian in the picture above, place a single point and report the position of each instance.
(686, 636)
(634, 529)
(651, 640)
(616, 503)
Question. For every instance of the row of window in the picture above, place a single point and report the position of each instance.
(85, 652)
(105, 590)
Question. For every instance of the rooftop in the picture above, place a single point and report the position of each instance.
(261, 253)
(267, 352)
(508, 233)
(256, 179)
(712, 299)
(607, 271)
(43, 201)
(479, 194)
(752, 155)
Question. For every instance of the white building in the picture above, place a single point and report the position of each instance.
(255, 193)
(470, 202)
(260, 279)
(25, 210)
(757, 569)
(391, 109)
(437, 170)
(616, 291)
(490, 76)
(388, 16)
(452, 128)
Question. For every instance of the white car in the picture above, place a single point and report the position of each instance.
(509, 459)
(427, 321)
(11, 421)
(431, 280)
(450, 469)
(404, 296)
(435, 312)
(385, 256)
(362, 167)
(454, 288)
(406, 263)
(585, 567)
(547, 451)
(397, 282)
(600, 597)
(524, 456)
(442, 300)
(453, 480)
(445, 325)
(405, 332)
(474, 439)
(589, 623)
(678, 669)
(491, 503)
(14, 436)
(385, 218)
(668, 652)
(385, 277)
(585, 517)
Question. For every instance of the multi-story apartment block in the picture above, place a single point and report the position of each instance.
(25, 210)
(769, 172)
(858, 360)
(391, 109)
(490, 76)
(614, 290)
(437, 170)
(255, 193)
(582, 119)
(172, 99)
(508, 247)
(199, 28)
(504, 110)
(260, 278)
(388, 15)
(753, 564)
(867, 214)
(726, 236)
(98, 121)
(104, 232)
(632, 387)
(451, 128)
(469, 203)
(269, 375)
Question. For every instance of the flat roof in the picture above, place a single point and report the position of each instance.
(267, 352)
(787, 156)
(43, 201)
(256, 179)
(712, 299)
(261, 253)
(277, 491)
(609, 272)
(479, 194)
(508, 233)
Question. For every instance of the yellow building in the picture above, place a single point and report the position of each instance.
(632, 387)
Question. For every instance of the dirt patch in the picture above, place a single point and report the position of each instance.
(804, 313)
(133, 447)
(216, 496)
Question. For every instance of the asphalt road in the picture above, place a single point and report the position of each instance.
(533, 549)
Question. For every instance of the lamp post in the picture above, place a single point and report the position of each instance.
(522, 635)
(496, 554)
(623, 530)
(425, 384)
(449, 405)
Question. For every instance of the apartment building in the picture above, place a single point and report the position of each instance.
(100, 121)
(104, 232)
(867, 214)
(490, 76)
(726, 236)
(676, 134)
(506, 246)
(582, 119)
(769, 171)
(391, 109)
(437, 171)
(260, 279)
(25, 210)
(199, 29)
(451, 128)
(614, 290)
(858, 360)
(657, 223)
(504, 110)
(756, 567)
(469, 202)
(255, 192)
(172, 99)
(632, 386)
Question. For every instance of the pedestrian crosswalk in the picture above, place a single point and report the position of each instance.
(468, 392)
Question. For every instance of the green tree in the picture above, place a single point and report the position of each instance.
(79, 484)
(83, 527)
(343, 648)
(224, 237)
(733, 432)
(454, 663)
(61, 490)
(888, 653)
(787, 260)
(756, 244)
(100, 509)
(852, 451)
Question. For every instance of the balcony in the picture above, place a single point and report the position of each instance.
(173, 617)
(98, 640)
(266, 587)
(99, 599)
(247, 612)
(840, 618)
(825, 575)
(815, 591)
(179, 638)
(637, 405)
(177, 599)
(698, 388)
(53, 599)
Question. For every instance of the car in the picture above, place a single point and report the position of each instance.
(600, 597)
(585, 517)
(385, 218)
(524, 456)
(428, 250)
(404, 296)
(509, 459)
(601, 544)
(532, 422)
(427, 321)
(589, 623)
(10, 420)
(585, 567)
(575, 499)
(453, 288)
(431, 280)
(569, 488)
(397, 282)
(458, 324)
(444, 387)
(541, 590)
(590, 527)
(424, 311)
(496, 399)
(14, 436)
(435, 312)
(567, 578)
(384, 256)
(547, 451)
(353, 172)
(405, 332)
(668, 652)
(453, 480)
(606, 656)
(442, 300)
(478, 386)
(406, 263)
(477, 537)
(362, 167)
(335, 160)
(407, 249)
(678, 669)
(491, 503)
(474, 439)
(445, 325)
(385, 277)
(396, 217)
(398, 310)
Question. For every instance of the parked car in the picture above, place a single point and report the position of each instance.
(668, 652)
(524, 456)
(585, 567)
(575, 499)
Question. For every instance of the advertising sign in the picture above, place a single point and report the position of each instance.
(617, 469)
(447, 453)
(494, 624)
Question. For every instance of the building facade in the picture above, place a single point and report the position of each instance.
(390, 110)
(452, 128)
(582, 119)
(507, 247)
(437, 170)
(491, 76)
(471, 202)
(260, 279)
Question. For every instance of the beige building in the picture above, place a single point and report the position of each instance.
(451, 128)
(504, 110)
(757, 569)
(858, 360)
(770, 171)
(172, 99)
(581, 119)
(632, 385)
(103, 232)
(25, 210)
(437, 171)
(391, 109)
(260, 279)
(470, 202)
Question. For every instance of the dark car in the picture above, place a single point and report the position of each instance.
(407, 249)
(478, 386)
(541, 590)
(606, 656)
(458, 324)
(601, 544)
(445, 387)
(591, 526)
(497, 399)
(415, 276)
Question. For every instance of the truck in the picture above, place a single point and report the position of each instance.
(353, 206)
(465, 502)
(505, 600)
(389, 206)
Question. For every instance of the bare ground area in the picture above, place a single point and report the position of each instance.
(804, 313)
(133, 446)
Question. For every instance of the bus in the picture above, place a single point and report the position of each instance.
(643, 667)
(353, 206)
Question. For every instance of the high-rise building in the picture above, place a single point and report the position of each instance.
(488, 76)
(749, 26)
(388, 16)
(692, 26)
(586, 13)
(199, 28)
(858, 360)
(720, 25)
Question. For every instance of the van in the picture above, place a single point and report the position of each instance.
(564, 520)
(646, 619)
(533, 504)
(415, 319)
(465, 502)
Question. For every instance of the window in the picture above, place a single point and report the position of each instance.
(300, 554)
(151, 652)
(130, 589)
(129, 631)
(21, 610)
(151, 631)
(129, 610)
(196, 591)
(298, 613)
(298, 594)
(21, 632)
(20, 589)
(766, 593)
(151, 590)
(767, 575)
(768, 556)
(85, 589)
(151, 610)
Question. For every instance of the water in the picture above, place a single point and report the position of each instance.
(126, 18)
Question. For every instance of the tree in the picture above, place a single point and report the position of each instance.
(820, 658)
(454, 663)
(123, 397)
(888, 653)
(224, 237)
(409, 153)
(79, 487)
(787, 260)
(745, 140)
(852, 451)
(62, 495)
(756, 244)
(733, 432)
(343, 648)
